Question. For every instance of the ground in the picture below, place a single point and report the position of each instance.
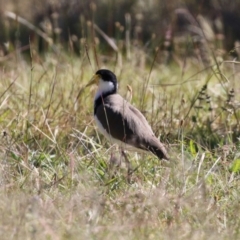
(58, 177)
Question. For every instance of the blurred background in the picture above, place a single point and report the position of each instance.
(178, 29)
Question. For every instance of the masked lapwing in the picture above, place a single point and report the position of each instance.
(119, 121)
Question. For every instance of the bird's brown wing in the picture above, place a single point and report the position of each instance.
(127, 124)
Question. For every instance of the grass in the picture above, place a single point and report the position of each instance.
(57, 174)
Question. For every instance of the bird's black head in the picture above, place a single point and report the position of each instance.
(107, 76)
(107, 85)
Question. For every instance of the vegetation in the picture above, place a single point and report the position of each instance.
(60, 179)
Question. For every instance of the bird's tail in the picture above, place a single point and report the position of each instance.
(160, 153)
(158, 149)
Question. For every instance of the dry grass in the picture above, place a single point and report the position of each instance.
(55, 176)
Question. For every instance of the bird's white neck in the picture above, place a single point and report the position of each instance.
(103, 88)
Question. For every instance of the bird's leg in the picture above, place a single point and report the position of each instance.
(129, 167)
(115, 163)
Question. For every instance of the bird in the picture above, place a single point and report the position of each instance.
(119, 121)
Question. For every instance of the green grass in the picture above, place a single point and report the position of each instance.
(57, 176)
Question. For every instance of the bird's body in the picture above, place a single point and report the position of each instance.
(119, 121)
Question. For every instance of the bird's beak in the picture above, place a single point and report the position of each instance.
(94, 80)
